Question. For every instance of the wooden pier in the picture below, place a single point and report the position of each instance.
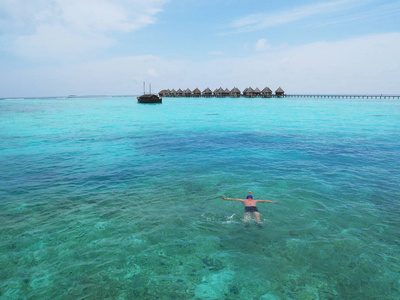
(344, 96)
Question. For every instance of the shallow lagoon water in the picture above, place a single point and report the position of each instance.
(107, 198)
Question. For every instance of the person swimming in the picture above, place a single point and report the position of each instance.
(250, 206)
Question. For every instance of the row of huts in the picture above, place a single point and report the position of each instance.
(235, 92)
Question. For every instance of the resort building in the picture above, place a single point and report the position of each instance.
(207, 93)
(196, 93)
(279, 93)
(173, 93)
(226, 93)
(163, 93)
(235, 92)
(266, 92)
(219, 93)
(248, 92)
(180, 93)
(188, 93)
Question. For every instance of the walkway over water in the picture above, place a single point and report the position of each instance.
(346, 96)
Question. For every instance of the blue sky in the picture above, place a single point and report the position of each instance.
(93, 47)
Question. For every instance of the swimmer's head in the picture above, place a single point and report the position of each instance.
(249, 192)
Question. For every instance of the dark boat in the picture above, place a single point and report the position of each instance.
(148, 98)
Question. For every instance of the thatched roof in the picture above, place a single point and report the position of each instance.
(207, 91)
(173, 91)
(257, 90)
(179, 91)
(219, 91)
(163, 92)
(197, 91)
(188, 91)
(279, 90)
(266, 90)
(235, 90)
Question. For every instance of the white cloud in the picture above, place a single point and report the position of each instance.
(94, 15)
(52, 28)
(58, 42)
(262, 45)
(152, 72)
(259, 21)
(216, 53)
(106, 15)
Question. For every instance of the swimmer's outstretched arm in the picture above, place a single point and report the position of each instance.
(233, 199)
(266, 201)
(246, 200)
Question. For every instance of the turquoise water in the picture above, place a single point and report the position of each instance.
(107, 198)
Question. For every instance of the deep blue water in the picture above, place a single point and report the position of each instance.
(108, 198)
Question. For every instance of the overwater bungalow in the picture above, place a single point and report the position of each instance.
(226, 93)
(188, 93)
(219, 92)
(280, 93)
(163, 93)
(207, 93)
(235, 92)
(180, 93)
(266, 93)
(257, 92)
(173, 93)
(248, 92)
(196, 93)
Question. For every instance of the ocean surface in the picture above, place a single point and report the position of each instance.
(105, 198)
